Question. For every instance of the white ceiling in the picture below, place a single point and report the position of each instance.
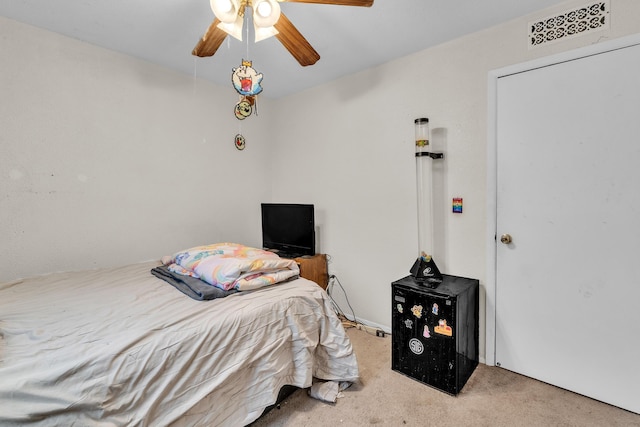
(348, 39)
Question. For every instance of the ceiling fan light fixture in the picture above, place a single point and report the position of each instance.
(265, 13)
(264, 32)
(268, 21)
(233, 28)
(225, 10)
(264, 9)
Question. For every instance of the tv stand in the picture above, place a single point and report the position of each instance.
(313, 267)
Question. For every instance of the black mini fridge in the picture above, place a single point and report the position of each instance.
(435, 331)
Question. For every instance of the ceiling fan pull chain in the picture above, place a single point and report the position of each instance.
(195, 73)
(247, 39)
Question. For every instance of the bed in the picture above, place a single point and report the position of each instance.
(119, 346)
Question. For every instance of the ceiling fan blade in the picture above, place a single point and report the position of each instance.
(210, 41)
(365, 3)
(295, 42)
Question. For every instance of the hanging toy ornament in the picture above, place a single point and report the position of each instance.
(240, 142)
(247, 82)
(243, 109)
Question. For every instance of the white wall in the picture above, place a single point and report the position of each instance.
(350, 143)
(108, 160)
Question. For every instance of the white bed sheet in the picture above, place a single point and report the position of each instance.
(115, 347)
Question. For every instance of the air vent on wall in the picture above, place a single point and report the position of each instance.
(569, 24)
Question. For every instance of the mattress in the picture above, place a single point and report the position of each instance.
(118, 346)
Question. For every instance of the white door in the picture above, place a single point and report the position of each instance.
(568, 192)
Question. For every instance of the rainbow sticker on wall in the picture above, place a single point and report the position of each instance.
(457, 205)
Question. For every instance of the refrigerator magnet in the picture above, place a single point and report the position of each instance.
(426, 332)
(417, 311)
(443, 328)
(416, 346)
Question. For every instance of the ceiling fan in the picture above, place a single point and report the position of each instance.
(268, 21)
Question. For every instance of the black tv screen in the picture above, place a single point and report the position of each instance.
(288, 229)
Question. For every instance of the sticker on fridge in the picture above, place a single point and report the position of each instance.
(443, 328)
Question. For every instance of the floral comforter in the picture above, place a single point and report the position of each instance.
(233, 266)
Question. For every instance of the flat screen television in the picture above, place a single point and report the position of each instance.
(288, 229)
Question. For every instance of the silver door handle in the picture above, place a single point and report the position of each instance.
(506, 239)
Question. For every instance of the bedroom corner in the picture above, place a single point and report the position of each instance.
(109, 159)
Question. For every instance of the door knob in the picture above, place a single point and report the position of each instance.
(506, 239)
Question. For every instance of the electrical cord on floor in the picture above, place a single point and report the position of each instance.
(346, 322)
(332, 280)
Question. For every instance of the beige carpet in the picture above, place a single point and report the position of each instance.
(491, 397)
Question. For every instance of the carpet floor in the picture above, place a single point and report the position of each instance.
(492, 397)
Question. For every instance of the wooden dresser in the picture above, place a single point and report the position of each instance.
(314, 268)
